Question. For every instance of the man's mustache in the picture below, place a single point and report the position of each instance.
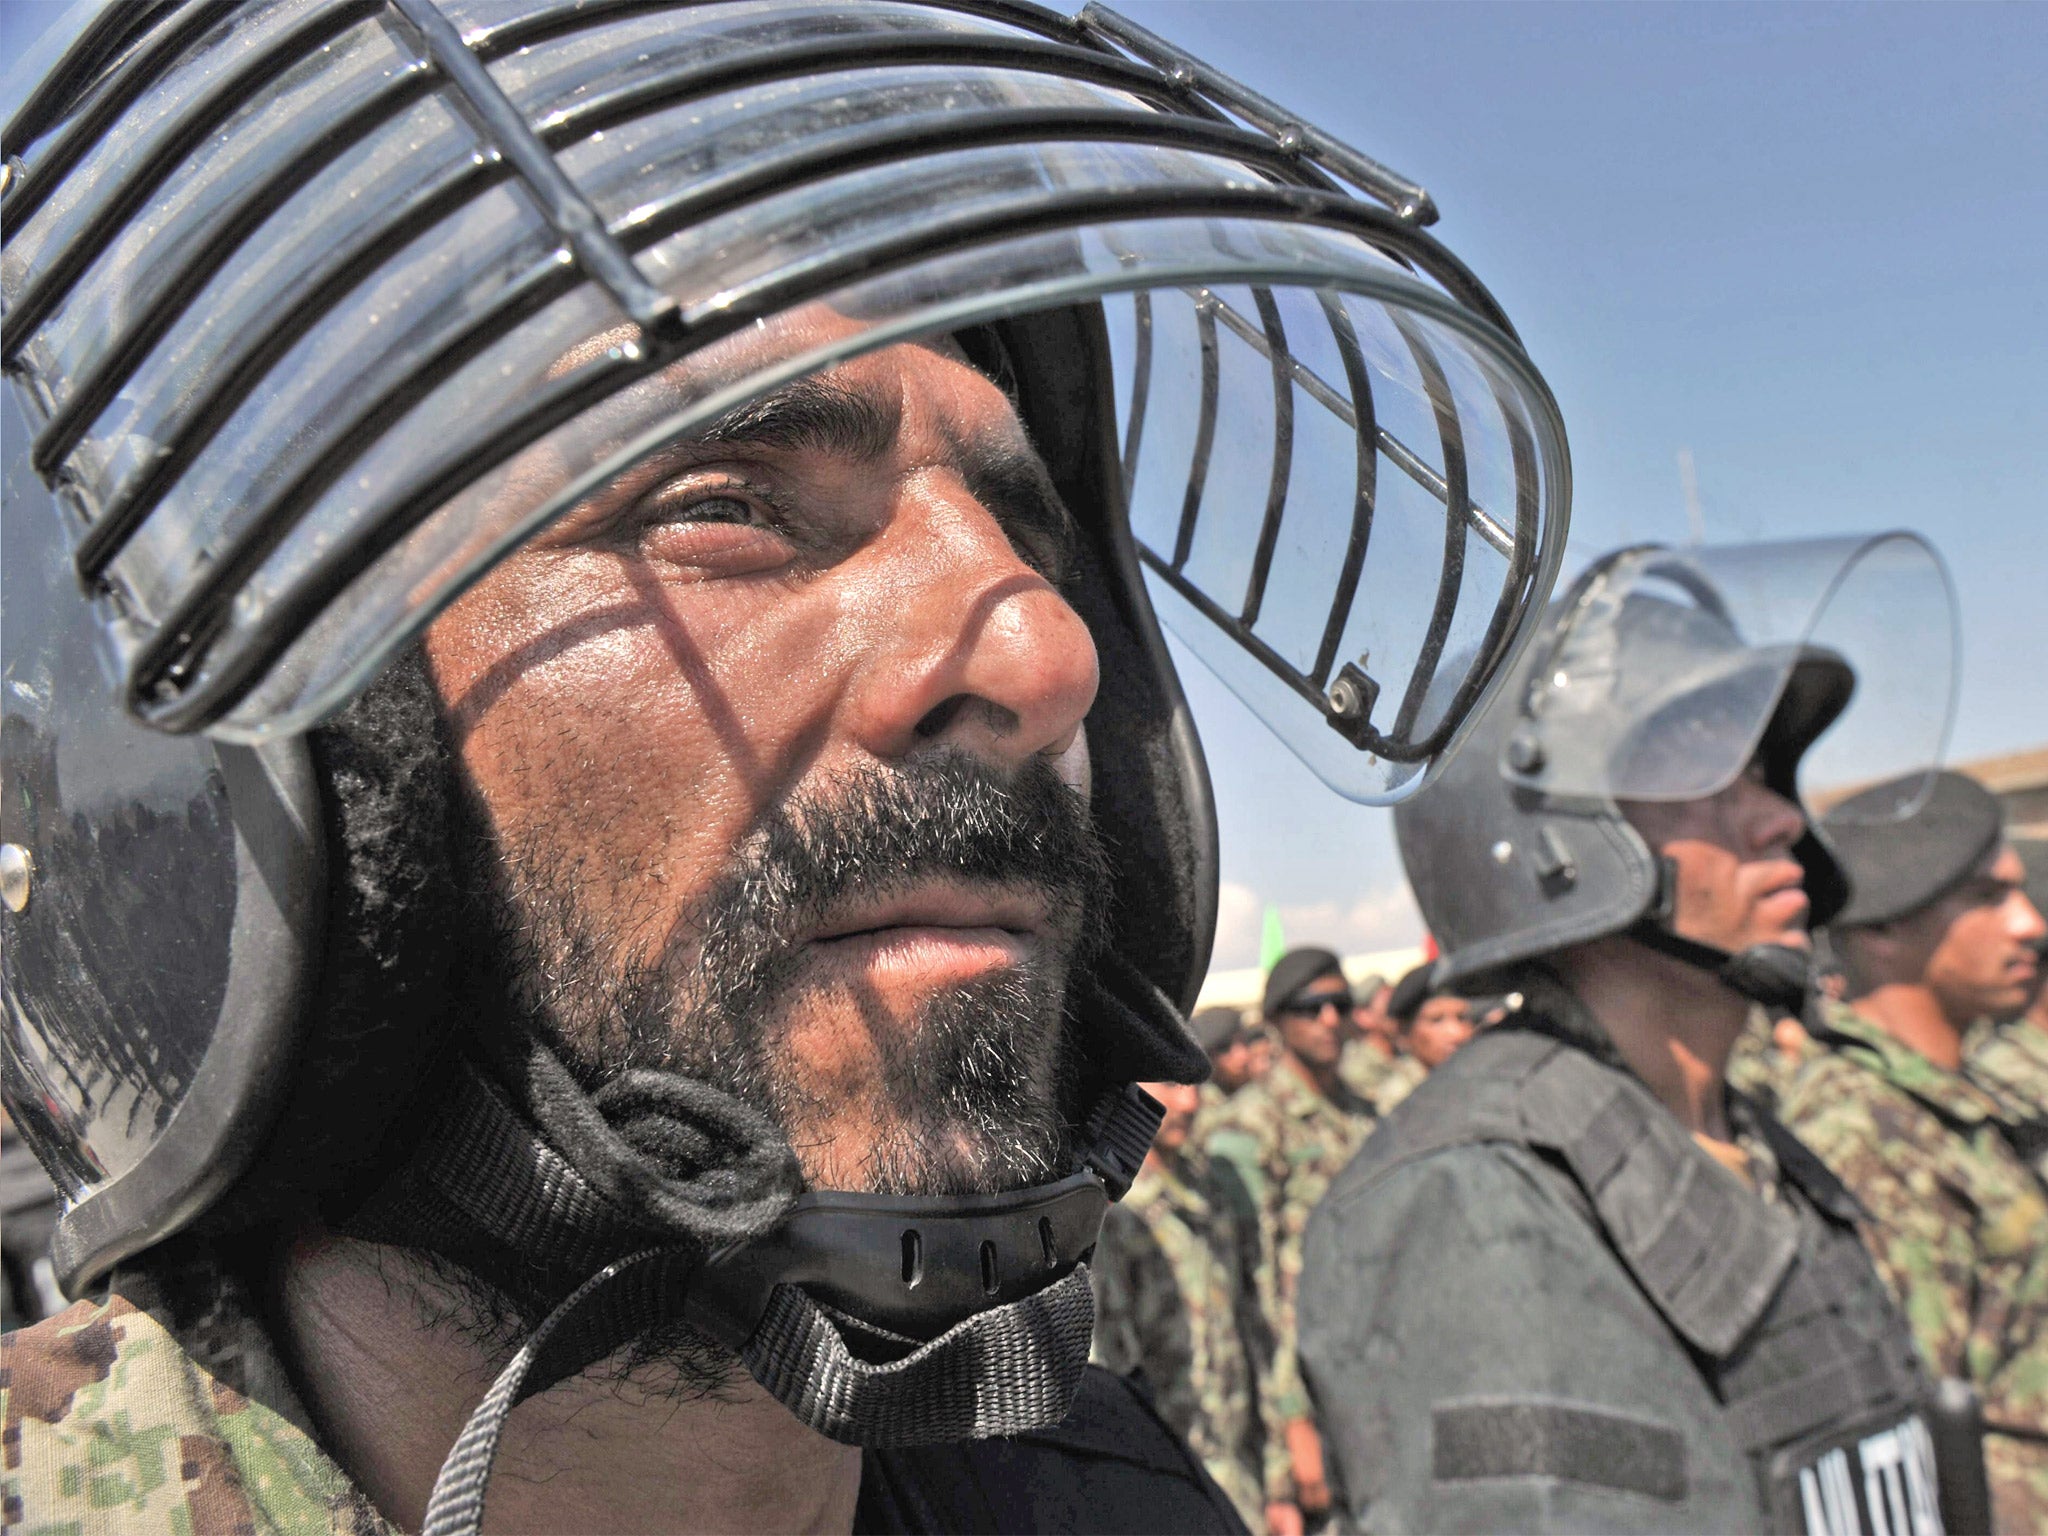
(947, 817)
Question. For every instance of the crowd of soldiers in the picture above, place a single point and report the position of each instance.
(1197, 1271)
(1918, 1072)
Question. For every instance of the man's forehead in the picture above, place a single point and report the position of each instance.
(2003, 866)
(761, 349)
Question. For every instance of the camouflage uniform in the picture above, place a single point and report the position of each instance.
(2011, 1060)
(1758, 1068)
(164, 1409)
(1958, 1226)
(1404, 1075)
(1176, 1299)
(1208, 1114)
(1364, 1066)
(1287, 1142)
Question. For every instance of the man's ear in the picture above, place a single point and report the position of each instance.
(1889, 951)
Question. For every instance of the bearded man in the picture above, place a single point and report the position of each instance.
(598, 831)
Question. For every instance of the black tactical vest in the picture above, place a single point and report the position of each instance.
(1776, 1303)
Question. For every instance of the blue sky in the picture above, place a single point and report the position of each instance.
(1808, 242)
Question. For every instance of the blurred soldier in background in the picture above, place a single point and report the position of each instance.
(1288, 1135)
(1177, 1304)
(1227, 1040)
(2011, 1058)
(1371, 1050)
(1938, 938)
(1265, 1049)
(1430, 1026)
(1573, 1283)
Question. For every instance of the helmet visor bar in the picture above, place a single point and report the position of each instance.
(1268, 338)
(1395, 469)
(387, 243)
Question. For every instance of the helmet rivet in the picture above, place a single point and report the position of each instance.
(1344, 697)
(1561, 680)
(1503, 851)
(15, 873)
(1525, 753)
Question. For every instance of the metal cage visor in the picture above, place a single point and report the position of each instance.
(350, 299)
(1668, 671)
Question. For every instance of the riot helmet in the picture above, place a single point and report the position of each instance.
(318, 309)
(1662, 675)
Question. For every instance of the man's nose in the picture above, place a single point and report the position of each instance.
(1776, 823)
(983, 652)
(2028, 926)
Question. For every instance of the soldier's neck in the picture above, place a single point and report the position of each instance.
(1673, 1025)
(391, 1385)
(1324, 1080)
(1913, 1015)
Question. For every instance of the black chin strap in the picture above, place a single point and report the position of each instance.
(1776, 975)
(876, 1320)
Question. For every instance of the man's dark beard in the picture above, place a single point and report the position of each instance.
(975, 1085)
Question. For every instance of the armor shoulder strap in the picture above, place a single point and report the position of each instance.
(1802, 1166)
(1707, 1252)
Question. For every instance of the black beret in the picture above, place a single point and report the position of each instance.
(1896, 867)
(1295, 970)
(1411, 992)
(1216, 1028)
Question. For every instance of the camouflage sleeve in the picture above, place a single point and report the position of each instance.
(1247, 1145)
(110, 1426)
(1142, 1323)
(1116, 1346)
(1254, 1327)
(1301, 1189)
(1871, 1136)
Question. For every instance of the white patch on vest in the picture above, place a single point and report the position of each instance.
(1898, 1486)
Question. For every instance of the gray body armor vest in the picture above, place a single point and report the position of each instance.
(1775, 1302)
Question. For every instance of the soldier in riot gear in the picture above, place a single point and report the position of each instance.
(1573, 1282)
(590, 778)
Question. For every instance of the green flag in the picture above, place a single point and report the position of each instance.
(1273, 941)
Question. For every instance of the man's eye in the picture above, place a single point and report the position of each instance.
(717, 509)
(686, 503)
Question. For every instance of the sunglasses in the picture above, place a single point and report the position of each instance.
(1309, 1007)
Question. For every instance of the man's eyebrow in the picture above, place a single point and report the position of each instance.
(808, 414)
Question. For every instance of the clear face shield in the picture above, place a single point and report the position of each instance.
(1666, 672)
(320, 311)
